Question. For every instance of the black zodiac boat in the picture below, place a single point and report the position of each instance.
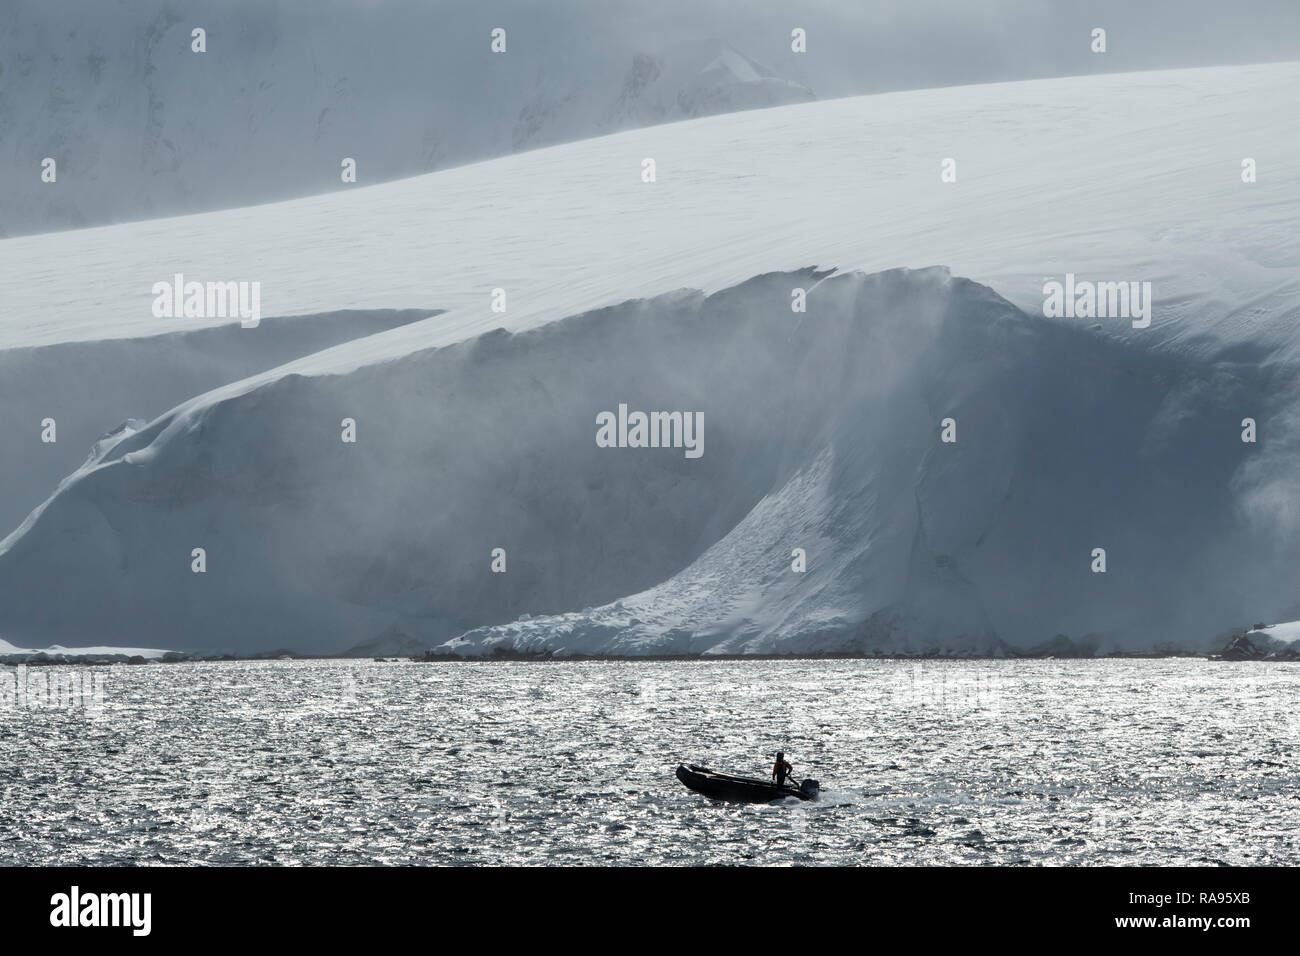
(727, 786)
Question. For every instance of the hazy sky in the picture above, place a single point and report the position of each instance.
(854, 46)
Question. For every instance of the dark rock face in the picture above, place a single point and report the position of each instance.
(1242, 648)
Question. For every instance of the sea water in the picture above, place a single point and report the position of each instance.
(1174, 761)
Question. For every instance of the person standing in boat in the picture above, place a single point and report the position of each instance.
(781, 768)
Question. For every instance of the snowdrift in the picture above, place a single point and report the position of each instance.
(821, 432)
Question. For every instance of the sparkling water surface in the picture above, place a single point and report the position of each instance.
(343, 762)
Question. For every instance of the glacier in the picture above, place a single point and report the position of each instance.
(824, 439)
(476, 429)
(1054, 176)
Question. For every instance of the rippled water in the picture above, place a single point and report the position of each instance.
(287, 762)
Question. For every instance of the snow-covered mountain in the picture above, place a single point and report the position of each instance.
(76, 655)
(1265, 642)
(476, 429)
(141, 125)
(695, 79)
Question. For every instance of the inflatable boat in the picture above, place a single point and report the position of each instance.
(727, 786)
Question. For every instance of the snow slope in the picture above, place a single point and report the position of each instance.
(1114, 176)
(1263, 643)
(89, 388)
(820, 428)
(1066, 442)
(142, 126)
(1277, 637)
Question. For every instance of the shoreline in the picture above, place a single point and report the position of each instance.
(546, 658)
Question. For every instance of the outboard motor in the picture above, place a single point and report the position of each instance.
(810, 789)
